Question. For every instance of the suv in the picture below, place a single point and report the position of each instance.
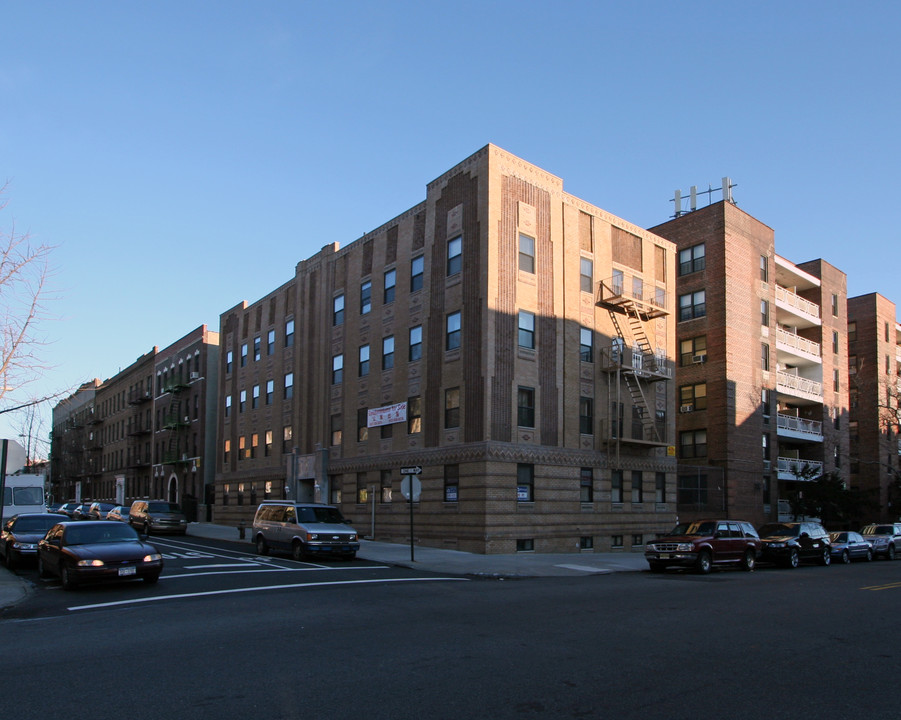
(791, 542)
(157, 516)
(703, 544)
(303, 529)
(885, 537)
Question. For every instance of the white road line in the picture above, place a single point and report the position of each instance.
(298, 586)
(263, 569)
(220, 565)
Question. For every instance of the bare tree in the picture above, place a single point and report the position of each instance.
(24, 271)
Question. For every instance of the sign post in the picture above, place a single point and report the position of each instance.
(411, 488)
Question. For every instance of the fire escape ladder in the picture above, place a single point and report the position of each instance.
(631, 372)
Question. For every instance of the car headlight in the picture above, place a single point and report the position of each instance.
(777, 544)
(312, 536)
(90, 563)
(24, 546)
(353, 537)
(152, 557)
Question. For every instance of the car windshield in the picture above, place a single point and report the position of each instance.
(84, 534)
(319, 515)
(704, 527)
(779, 529)
(162, 507)
(877, 530)
(34, 523)
(838, 537)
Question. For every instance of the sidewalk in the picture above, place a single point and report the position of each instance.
(14, 589)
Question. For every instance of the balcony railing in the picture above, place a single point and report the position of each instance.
(793, 340)
(799, 425)
(787, 297)
(799, 469)
(797, 385)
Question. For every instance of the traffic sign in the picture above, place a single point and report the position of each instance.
(414, 470)
(411, 486)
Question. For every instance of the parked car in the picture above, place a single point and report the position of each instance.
(791, 543)
(68, 508)
(704, 544)
(303, 529)
(120, 513)
(99, 510)
(95, 551)
(20, 535)
(885, 537)
(81, 512)
(157, 516)
(53, 507)
(848, 546)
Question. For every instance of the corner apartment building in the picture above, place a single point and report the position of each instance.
(512, 340)
(74, 442)
(762, 355)
(874, 367)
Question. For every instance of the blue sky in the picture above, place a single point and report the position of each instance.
(156, 144)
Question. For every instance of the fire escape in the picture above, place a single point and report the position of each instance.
(176, 421)
(632, 362)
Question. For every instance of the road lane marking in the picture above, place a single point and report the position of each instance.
(888, 586)
(293, 586)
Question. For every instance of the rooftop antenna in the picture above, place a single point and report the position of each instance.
(725, 189)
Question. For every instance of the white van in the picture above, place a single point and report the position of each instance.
(23, 494)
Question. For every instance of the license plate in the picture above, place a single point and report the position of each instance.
(123, 571)
(664, 556)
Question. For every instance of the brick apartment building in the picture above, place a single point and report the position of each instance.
(762, 367)
(874, 366)
(514, 341)
(75, 450)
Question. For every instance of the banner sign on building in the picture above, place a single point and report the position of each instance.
(387, 415)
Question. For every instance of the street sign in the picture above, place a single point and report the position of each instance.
(414, 470)
(411, 486)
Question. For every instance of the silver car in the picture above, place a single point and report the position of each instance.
(303, 529)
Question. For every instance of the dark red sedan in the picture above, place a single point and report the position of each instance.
(96, 551)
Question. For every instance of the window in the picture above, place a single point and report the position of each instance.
(256, 349)
(417, 267)
(390, 283)
(765, 402)
(764, 313)
(586, 275)
(388, 352)
(366, 297)
(270, 342)
(586, 542)
(586, 416)
(835, 383)
(267, 443)
(254, 443)
(337, 369)
(228, 406)
(692, 259)
(385, 485)
(834, 305)
(526, 329)
(525, 407)
(362, 424)
(270, 391)
(336, 429)
(452, 338)
(242, 448)
(255, 397)
(692, 305)
(526, 253)
(452, 407)
(415, 343)
(637, 488)
(229, 358)
(616, 486)
(693, 444)
(338, 310)
(764, 356)
(693, 350)
(660, 483)
(226, 453)
(834, 342)
(243, 354)
(454, 255)
(364, 361)
(289, 386)
(525, 544)
(764, 268)
(693, 397)
(586, 345)
(242, 402)
(852, 331)
(414, 415)
(586, 485)
(451, 483)
(289, 333)
(362, 488)
(765, 444)
(525, 482)
(287, 438)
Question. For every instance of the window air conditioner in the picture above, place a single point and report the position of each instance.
(195, 375)
(699, 358)
(686, 408)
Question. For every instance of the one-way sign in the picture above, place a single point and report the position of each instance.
(414, 470)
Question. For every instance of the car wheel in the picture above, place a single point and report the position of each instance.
(297, 551)
(704, 562)
(793, 559)
(748, 562)
(262, 547)
(65, 576)
(846, 558)
(869, 555)
(826, 558)
(890, 553)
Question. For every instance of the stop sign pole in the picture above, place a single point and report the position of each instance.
(410, 488)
